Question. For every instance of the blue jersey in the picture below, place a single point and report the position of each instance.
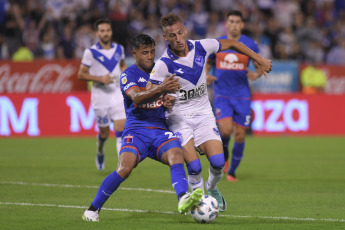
(145, 115)
(231, 71)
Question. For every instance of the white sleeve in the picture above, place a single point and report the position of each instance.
(159, 72)
(87, 58)
(210, 45)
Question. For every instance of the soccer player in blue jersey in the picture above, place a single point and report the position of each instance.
(232, 93)
(192, 118)
(146, 133)
(102, 64)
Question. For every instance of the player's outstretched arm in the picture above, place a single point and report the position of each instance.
(264, 64)
(153, 91)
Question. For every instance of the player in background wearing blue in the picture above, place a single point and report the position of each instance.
(192, 117)
(232, 93)
(146, 133)
(102, 64)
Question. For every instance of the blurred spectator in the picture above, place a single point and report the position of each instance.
(313, 79)
(3, 48)
(23, 53)
(199, 19)
(314, 53)
(68, 42)
(337, 54)
(46, 49)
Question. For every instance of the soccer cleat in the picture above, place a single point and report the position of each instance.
(219, 197)
(226, 166)
(91, 216)
(189, 200)
(231, 177)
(100, 162)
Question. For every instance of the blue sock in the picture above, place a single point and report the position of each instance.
(108, 186)
(225, 141)
(179, 179)
(237, 154)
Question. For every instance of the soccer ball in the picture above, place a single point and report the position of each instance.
(206, 211)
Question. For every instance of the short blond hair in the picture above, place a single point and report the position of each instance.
(169, 20)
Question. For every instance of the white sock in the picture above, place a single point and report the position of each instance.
(215, 175)
(118, 145)
(196, 181)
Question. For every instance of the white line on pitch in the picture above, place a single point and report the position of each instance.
(80, 186)
(173, 213)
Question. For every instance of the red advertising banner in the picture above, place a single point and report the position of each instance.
(40, 77)
(335, 78)
(298, 114)
(72, 115)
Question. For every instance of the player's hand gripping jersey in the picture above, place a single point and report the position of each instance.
(102, 62)
(192, 97)
(145, 115)
(231, 71)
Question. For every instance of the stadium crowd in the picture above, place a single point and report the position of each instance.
(284, 29)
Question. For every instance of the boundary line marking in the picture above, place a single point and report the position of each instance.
(82, 186)
(171, 213)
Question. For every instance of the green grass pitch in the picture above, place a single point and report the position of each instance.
(284, 183)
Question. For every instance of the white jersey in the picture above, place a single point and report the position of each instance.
(192, 98)
(101, 62)
(192, 115)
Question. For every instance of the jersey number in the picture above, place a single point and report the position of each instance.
(170, 135)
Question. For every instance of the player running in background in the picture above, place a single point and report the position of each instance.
(232, 93)
(192, 117)
(146, 133)
(102, 64)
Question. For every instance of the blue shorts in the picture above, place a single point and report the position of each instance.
(151, 142)
(239, 110)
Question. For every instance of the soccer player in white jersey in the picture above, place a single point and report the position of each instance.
(102, 64)
(192, 117)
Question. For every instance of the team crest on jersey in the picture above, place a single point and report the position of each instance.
(216, 131)
(128, 139)
(199, 60)
(153, 72)
(117, 57)
(124, 80)
(218, 110)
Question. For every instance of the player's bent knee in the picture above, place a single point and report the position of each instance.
(194, 167)
(217, 161)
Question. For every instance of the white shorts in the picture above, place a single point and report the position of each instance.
(104, 116)
(200, 127)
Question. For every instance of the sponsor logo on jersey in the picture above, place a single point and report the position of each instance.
(232, 61)
(152, 105)
(192, 93)
(142, 79)
(128, 86)
(124, 79)
(128, 139)
(216, 131)
(199, 60)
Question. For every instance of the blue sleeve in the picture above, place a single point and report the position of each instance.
(127, 81)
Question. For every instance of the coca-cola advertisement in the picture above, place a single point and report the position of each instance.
(40, 77)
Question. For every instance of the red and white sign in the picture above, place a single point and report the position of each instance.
(72, 115)
(298, 114)
(40, 77)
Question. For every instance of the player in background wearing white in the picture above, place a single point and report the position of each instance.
(192, 117)
(102, 64)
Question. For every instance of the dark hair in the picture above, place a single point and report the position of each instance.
(169, 20)
(142, 40)
(236, 13)
(101, 21)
